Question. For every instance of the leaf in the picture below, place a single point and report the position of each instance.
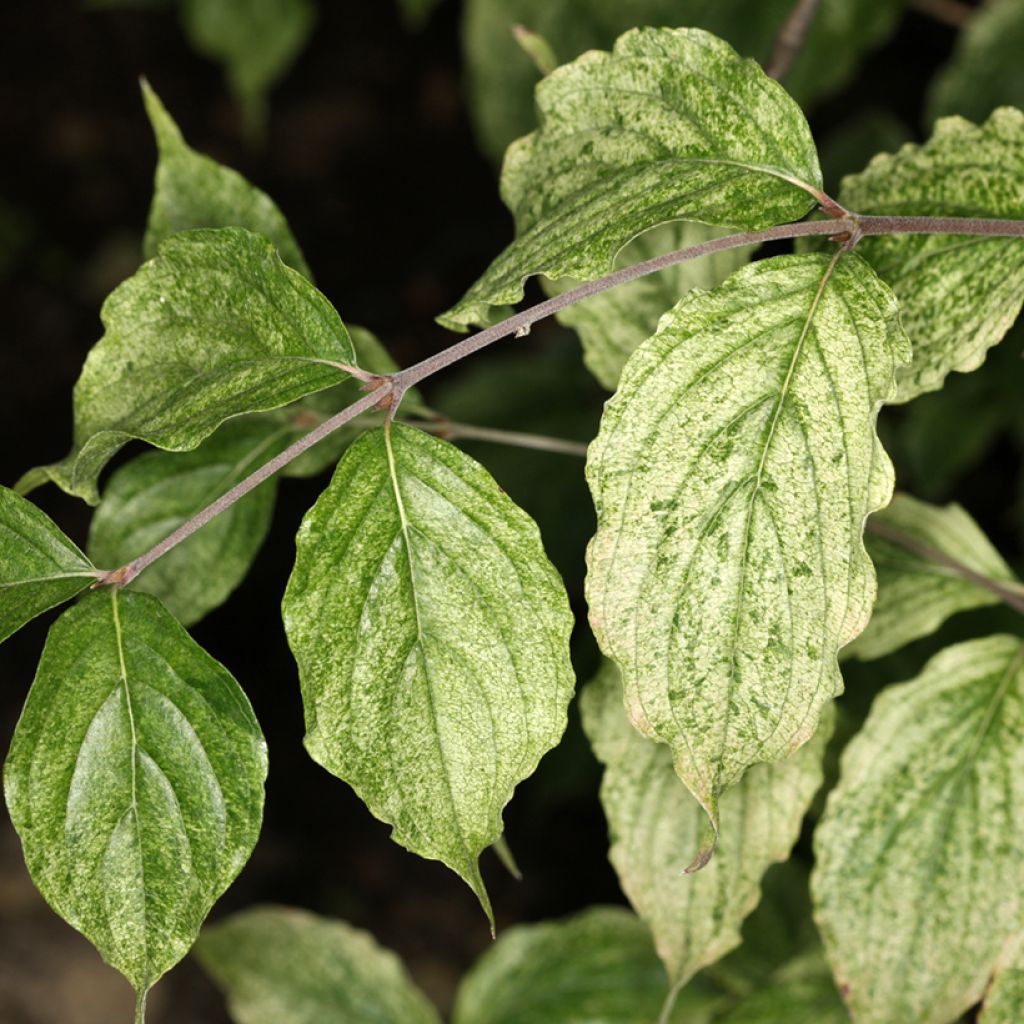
(597, 967)
(916, 593)
(672, 124)
(732, 475)
(135, 780)
(152, 495)
(1004, 1001)
(958, 294)
(502, 78)
(432, 638)
(280, 965)
(193, 191)
(256, 40)
(39, 566)
(918, 875)
(612, 324)
(214, 327)
(417, 12)
(985, 71)
(806, 995)
(655, 824)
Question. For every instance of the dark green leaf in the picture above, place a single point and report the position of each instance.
(135, 780)
(39, 566)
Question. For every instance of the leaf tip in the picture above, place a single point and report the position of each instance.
(709, 838)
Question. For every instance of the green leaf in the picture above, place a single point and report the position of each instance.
(152, 495)
(135, 780)
(502, 78)
(256, 40)
(655, 824)
(597, 967)
(1004, 1001)
(417, 12)
(732, 475)
(986, 71)
(612, 324)
(916, 592)
(279, 965)
(432, 637)
(214, 327)
(958, 294)
(802, 993)
(41, 567)
(193, 191)
(918, 874)
(672, 124)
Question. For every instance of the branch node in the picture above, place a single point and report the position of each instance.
(115, 578)
(522, 332)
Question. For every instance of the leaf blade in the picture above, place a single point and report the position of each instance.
(140, 801)
(748, 406)
(634, 138)
(449, 642)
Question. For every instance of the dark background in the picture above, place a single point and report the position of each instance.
(370, 154)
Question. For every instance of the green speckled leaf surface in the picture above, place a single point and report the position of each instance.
(732, 475)
(135, 780)
(431, 634)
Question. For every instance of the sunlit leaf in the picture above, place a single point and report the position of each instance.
(732, 475)
(919, 876)
(655, 825)
(432, 636)
(215, 326)
(279, 965)
(672, 124)
(135, 780)
(958, 294)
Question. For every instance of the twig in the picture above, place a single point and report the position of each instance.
(1006, 592)
(388, 391)
(791, 37)
(950, 12)
(452, 431)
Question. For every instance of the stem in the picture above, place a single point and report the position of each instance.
(1010, 595)
(790, 39)
(452, 431)
(670, 1001)
(140, 1007)
(388, 390)
(950, 12)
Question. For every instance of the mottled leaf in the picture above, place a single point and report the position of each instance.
(655, 825)
(431, 635)
(612, 324)
(502, 78)
(135, 780)
(958, 294)
(986, 70)
(598, 967)
(1004, 1001)
(910, 543)
(255, 40)
(279, 965)
(193, 191)
(152, 495)
(919, 876)
(39, 566)
(672, 124)
(732, 475)
(215, 326)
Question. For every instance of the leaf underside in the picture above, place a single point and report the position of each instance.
(431, 635)
(732, 475)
